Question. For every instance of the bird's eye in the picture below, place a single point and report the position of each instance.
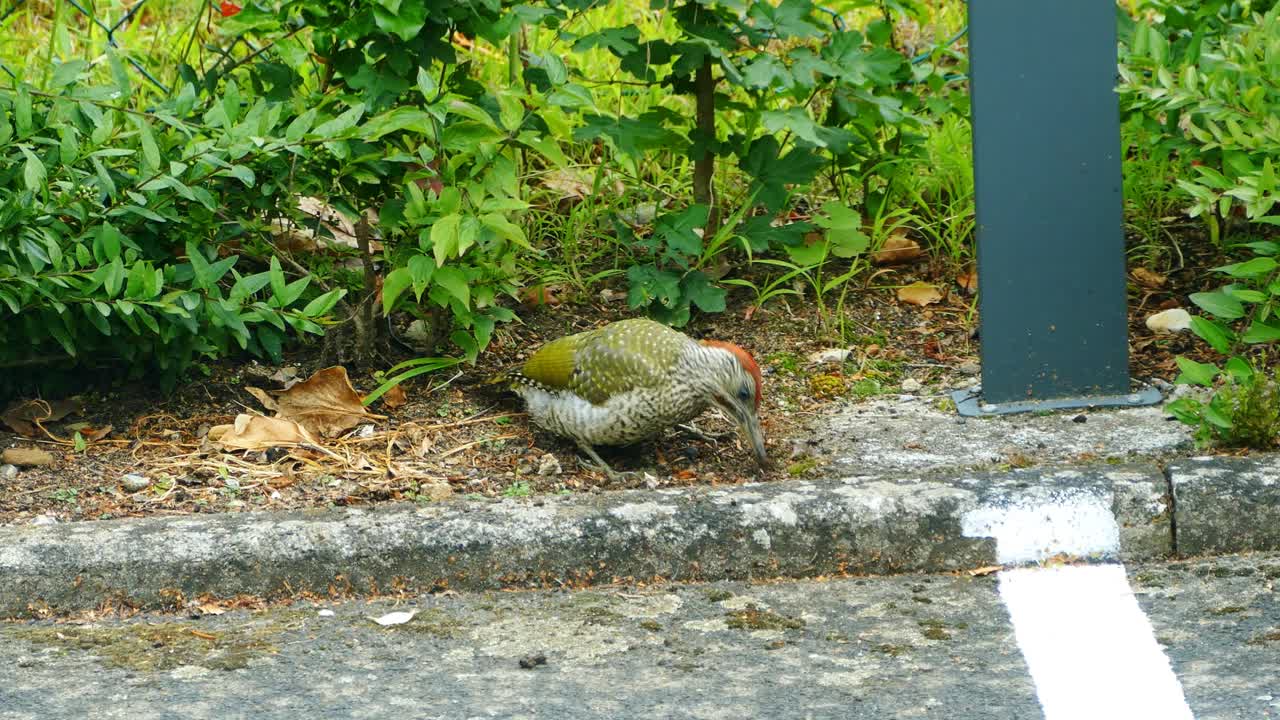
(744, 393)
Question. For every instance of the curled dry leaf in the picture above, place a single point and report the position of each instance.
(920, 293)
(23, 415)
(324, 404)
(1148, 278)
(896, 250)
(394, 398)
(256, 432)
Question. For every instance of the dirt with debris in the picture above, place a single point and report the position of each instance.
(453, 435)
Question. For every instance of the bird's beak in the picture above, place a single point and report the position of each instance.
(749, 421)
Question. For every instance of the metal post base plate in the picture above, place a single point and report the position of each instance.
(969, 402)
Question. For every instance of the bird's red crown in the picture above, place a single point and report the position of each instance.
(744, 358)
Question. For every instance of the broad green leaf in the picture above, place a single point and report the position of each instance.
(1251, 268)
(1195, 373)
(1212, 332)
(323, 304)
(1260, 332)
(455, 282)
(445, 234)
(393, 285)
(1219, 304)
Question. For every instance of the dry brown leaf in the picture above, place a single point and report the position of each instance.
(896, 250)
(25, 457)
(968, 281)
(263, 397)
(567, 183)
(920, 293)
(395, 397)
(90, 433)
(22, 415)
(324, 403)
(257, 432)
(1148, 278)
(549, 295)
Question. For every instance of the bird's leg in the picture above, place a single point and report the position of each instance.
(600, 465)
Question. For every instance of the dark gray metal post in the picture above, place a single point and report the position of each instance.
(1051, 264)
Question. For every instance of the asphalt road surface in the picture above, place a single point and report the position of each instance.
(1202, 641)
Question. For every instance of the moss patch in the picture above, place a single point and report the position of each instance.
(753, 618)
(144, 647)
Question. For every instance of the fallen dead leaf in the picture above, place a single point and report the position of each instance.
(549, 295)
(25, 457)
(897, 249)
(257, 432)
(90, 433)
(263, 397)
(1148, 278)
(567, 183)
(968, 281)
(325, 403)
(23, 415)
(395, 397)
(920, 293)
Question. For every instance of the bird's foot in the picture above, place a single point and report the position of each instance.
(712, 438)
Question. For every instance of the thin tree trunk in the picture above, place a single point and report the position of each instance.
(704, 166)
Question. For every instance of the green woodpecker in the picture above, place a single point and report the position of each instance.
(632, 379)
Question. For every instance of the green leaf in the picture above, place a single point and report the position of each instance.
(698, 289)
(323, 304)
(772, 172)
(404, 18)
(1195, 373)
(455, 282)
(1260, 332)
(844, 229)
(1212, 332)
(278, 284)
(1219, 304)
(393, 285)
(150, 151)
(33, 172)
(445, 235)
(1251, 268)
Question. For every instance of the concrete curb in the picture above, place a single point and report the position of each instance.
(791, 529)
(1226, 505)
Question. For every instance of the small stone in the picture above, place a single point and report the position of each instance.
(970, 367)
(911, 385)
(26, 457)
(1169, 321)
(435, 491)
(530, 662)
(42, 520)
(830, 356)
(548, 464)
(8, 472)
(1081, 418)
(134, 482)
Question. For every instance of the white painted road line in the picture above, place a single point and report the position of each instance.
(1090, 649)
